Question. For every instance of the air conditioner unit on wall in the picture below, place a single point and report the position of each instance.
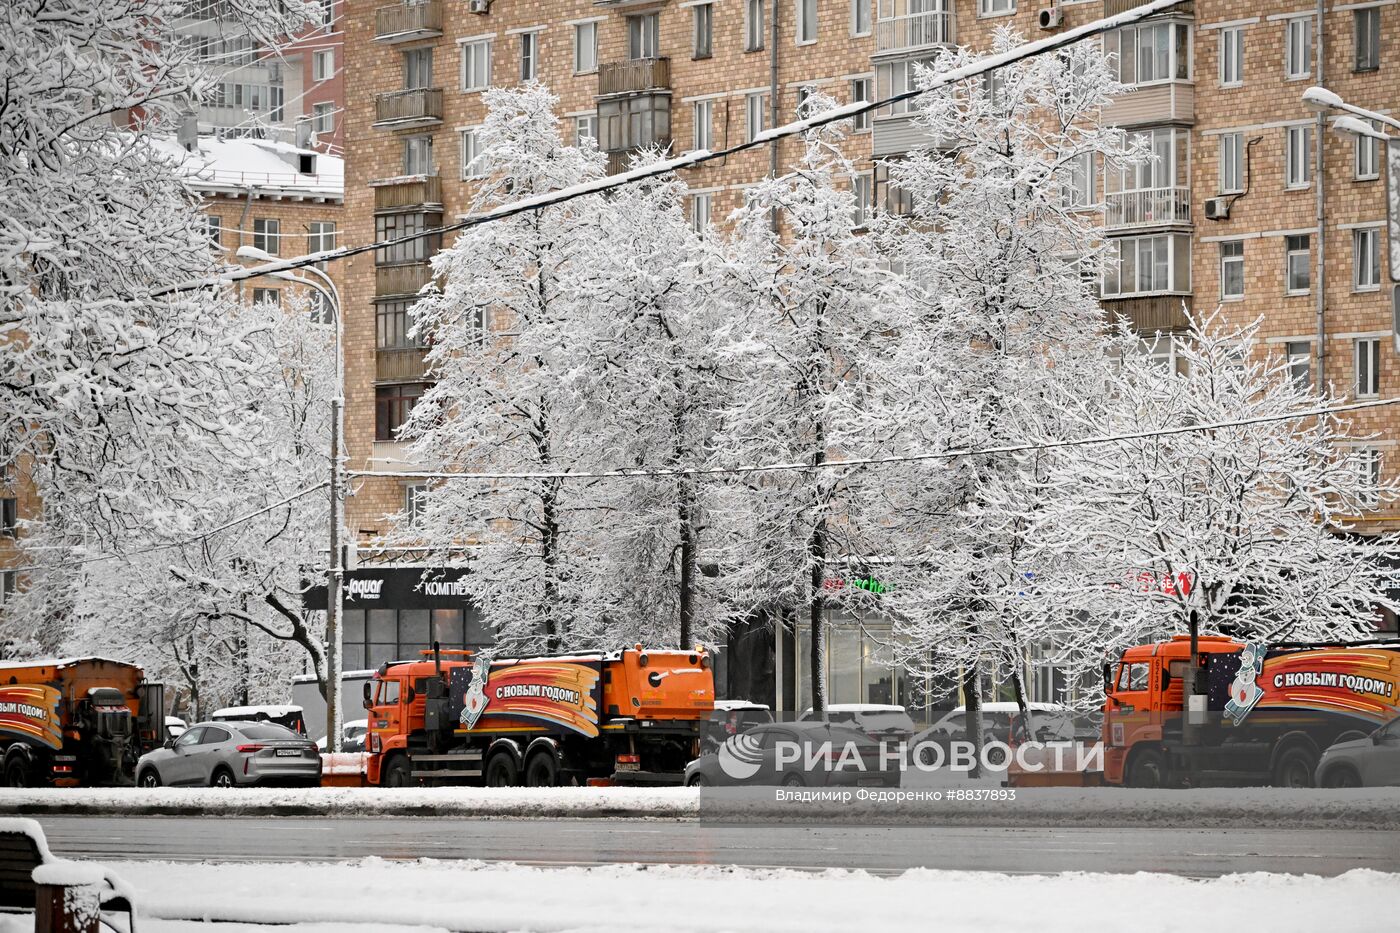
(478, 6)
(1217, 208)
(1051, 17)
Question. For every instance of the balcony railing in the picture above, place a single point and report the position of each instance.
(415, 107)
(914, 31)
(619, 160)
(629, 77)
(1147, 207)
(402, 280)
(401, 22)
(400, 365)
(416, 191)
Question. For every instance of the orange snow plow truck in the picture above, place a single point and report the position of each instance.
(76, 721)
(634, 717)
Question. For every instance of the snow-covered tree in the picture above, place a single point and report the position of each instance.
(996, 250)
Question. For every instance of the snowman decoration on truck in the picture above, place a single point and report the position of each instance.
(1245, 692)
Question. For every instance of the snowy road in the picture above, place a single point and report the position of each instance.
(882, 849)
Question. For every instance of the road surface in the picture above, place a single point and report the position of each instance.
(883, 849)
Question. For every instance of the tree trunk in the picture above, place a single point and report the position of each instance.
(972, 700)
(816, 555)
(549, 552)
(685, 514)
(1018, 682)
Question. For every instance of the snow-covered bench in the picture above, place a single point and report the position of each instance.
(32, 879)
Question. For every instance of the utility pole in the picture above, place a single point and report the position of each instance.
(335, 573)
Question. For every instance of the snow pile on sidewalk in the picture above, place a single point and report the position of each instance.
(480, 897)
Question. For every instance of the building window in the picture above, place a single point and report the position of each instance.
(755, 114)
(1297, 264)
(322, 64)
(1297, 47)
(804, 94)
(1232, 270)
(704, 115)
(634, 122)
(8, 583)
(413, 504)
(700, 211)
(274, 104)
(1077, 186)
(267, 235)
(1300, 363)
(476, 65)
(860, 91)
(1147, 265)
(1368, 475)
(529, 56)
(643, 35)
(1367, 33)
(9, 516)
(471, 149)
(753, 25)
(860, 17)
(1231, 163)
(805, 30)
(374, 636)
(393, 321)
(323, 118)
(1232, 56)
(271, 296)
(1367, 161)
(995, 7)
(418, 155)
(417, 69)
(1155, 52)
(397, 226)
(863, 190)
(585, 48)
(1368, 366)
(391, 407)
(703, 33)
(585, 127)
(1298, 157)
(1366, 259)
(320, 236)
(214, 229)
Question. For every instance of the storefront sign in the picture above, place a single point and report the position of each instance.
(869, 584)
(398, 588)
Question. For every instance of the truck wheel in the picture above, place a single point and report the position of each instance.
(17, 772)
(223, 777)
(1341, 776)
(397, 773)
(1148, 768)
(1295, 768)
(542, 770)
(501, 770)
(149, 778)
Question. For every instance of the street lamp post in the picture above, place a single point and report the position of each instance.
(335, 570)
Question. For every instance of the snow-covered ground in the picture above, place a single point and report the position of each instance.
(431, 895)
(1056, 806)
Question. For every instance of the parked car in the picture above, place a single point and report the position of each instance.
(732, 717)
(352, 736)
(751, 758)
(883, 722)
(290, 716)
(174, 726)
(1001, 722)
(228, 754)
(1369, 761)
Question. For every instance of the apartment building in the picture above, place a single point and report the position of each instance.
(1214, 87)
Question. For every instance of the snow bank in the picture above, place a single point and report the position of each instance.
(708, 899)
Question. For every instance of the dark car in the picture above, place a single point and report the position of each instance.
(795, 754)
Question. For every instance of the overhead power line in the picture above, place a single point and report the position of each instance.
(698, 157)
(799, 467)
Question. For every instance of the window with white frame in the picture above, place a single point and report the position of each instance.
(320, 236)
(1367, 353)
(804, 94)
(700, 211)
(755, 114)
(1366, 259)
(323, 117)
(643, 35)
(267, 235)
(476, 65)
(1077, 184)
(754, 25)
(995, 7)
(322, 64)
(1298, 156)
(1232, 270)
(703, 113)
(417, 68)
(860, 91)
(805, 13)
(1366, 33)
(267, 296)
(585, 127)
(895, 78)
(585, 47)
(1150, 53)
(863, 191)
(1164, 351)
(1297, 264)
(1367, 461)
(702, 33)
(214, 229)
(1297, 47)
(1231, 163)
(9, 582)
(418, 155)
(1232, 56)
(1367, 157)
(1147, 265)
(471, 150)
(413, 496)
(529, 56)
(860, 17)
(1299, 353)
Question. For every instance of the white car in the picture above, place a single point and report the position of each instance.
(880, 721)
(289, 716)
(175, 726)
(352, 736)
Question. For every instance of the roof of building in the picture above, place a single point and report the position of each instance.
(265, 168)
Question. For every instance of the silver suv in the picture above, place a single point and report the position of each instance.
(227, 754)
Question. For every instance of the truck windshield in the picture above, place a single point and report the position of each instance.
(1133, 676)
(388, 693)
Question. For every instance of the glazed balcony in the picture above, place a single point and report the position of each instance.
(1147, 207)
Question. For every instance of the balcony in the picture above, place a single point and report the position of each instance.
(420, 106)
(913, 31)
(404, 280)
(1114, 7)
(1164, 314)
(404, 22)
(1161, 102)
(634, 76)
(400, 365)
(1147, 207)
(410, 191)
